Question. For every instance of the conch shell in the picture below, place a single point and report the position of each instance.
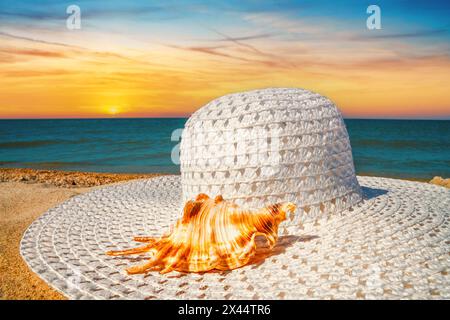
(212, 234)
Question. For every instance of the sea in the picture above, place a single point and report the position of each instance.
(411, 149)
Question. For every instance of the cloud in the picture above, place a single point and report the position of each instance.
(238, 42)
(208, 50)
(8, 58)
(242, 50)
(34, 52)
(75, 48)
(13, 36)
(404, 35)
(286, 24)
(214, 51)
(244, 38)
(33, 73)
(407, 62)
(33, 15)
(93, 10)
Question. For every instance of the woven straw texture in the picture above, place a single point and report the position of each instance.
(394, 244)
(268, 146)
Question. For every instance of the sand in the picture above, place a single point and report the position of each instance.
(20, 205)
(67, 178)
(24, 195)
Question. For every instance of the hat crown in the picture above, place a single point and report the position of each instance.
(267, 146)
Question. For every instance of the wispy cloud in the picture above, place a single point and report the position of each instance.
(75, 48)
(240, 48)
(243, 56)
(19, 37)
(211, 50)
(242, 38)
(34, 73)
(282, 22)
(34, 53)
(404, 35)
(30, 12)
(240, 42)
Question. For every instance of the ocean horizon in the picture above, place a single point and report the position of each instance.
(411, 149)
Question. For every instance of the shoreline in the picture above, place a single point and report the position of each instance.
(68, 179)
(25, 194)
(76, 179)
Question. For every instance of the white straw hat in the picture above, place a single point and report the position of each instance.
(269, 146)
(350, 237)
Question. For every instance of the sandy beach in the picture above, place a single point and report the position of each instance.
(24, 195)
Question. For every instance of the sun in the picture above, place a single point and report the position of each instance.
(113, 110)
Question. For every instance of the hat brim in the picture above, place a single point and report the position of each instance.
(395, 244)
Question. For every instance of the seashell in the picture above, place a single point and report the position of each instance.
(212, 234)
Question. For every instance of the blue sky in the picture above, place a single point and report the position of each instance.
(400, 15)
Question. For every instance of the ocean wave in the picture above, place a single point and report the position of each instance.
(44, 143)
(27, 144)
(59, 164)
(397, 144)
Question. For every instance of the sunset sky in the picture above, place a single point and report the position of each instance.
(168, 58)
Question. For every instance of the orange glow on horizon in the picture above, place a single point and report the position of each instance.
(40, 80)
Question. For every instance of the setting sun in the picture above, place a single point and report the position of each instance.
(113, 110)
